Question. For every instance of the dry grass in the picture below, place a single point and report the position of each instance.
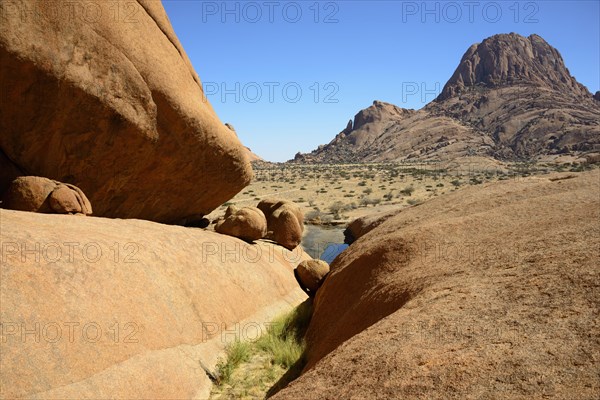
(255, 369)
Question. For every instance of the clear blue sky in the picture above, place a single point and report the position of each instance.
(252, 57)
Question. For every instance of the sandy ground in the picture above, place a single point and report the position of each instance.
(337, 194)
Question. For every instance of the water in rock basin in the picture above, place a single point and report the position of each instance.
(324, 242)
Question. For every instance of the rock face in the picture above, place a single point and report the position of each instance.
(510, 59)
(486, 291)
(312, 273)
(361, 226)
(248, 223)
(511, 98)
(37, 194)
(129, 308)
(285, 221)
(119, 111)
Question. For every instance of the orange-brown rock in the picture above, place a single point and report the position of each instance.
(232, 209)
(104, 96)
(285, 221)
(486, 292)
(248, 223)
(366, 224)
(37, 194)
(312, 273)
(107, 308)
(67, 198)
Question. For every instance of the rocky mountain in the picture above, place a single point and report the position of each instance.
(511, 98)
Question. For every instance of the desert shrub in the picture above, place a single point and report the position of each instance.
(407, 191)
(365, 201)
(336, 208)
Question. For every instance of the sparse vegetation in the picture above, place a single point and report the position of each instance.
(408, 191)
(332, 187)
(236, 353)
(259, 368)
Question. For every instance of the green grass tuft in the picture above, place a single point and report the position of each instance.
(237, 353)
(279, 352)
(284, 340)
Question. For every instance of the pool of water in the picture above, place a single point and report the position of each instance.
(317, 238)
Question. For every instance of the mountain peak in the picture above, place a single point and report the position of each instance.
(506, 59)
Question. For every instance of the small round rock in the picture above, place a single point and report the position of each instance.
(311, 273)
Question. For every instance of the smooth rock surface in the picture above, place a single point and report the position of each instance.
(100, 308)
(491, 291)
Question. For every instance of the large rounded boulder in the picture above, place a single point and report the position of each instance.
(285, 221)
(247, 223)
(37, 194)
(311, 274)
(119, 112)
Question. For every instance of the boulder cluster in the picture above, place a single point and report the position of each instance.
(279, 220)
(37, 194)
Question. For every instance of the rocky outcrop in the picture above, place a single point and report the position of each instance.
(119, 111)
(285, 221)
(483, 292)
(107, 308)
(511, 98)
(247, 223)
(311, 274)
(511, 58)
(37, 194)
